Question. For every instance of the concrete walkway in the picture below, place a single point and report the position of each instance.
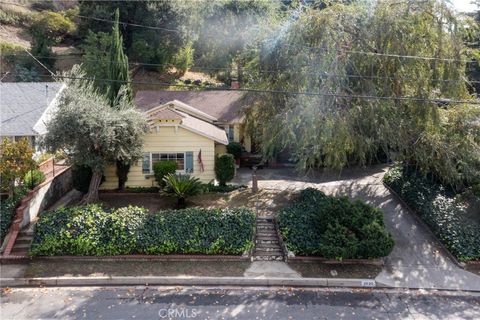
(417, 260)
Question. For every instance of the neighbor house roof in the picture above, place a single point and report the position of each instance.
(23, 105)
(190, 123)
(223, 105)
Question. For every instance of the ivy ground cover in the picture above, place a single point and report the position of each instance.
(333, 227)
(92, 230)
(441, 209)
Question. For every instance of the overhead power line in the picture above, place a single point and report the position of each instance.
(267, 71)
(333, 95)
(346, 50)
(381, 54)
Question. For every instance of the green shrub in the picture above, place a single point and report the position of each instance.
(42, 48)
(33, 178)
(142, 189)
(163, 168)
(441, 210)
(224, 168)
(15, 18)
(51, 26)
(183, 59)
(25, 74)
(90, 230)
(210, 187)
(333, 227)
(235, 149)
(9, 52)
(7, 210)
(181, 186)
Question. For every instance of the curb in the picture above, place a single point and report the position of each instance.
(139, 257)
(190, 281)
(313, 259)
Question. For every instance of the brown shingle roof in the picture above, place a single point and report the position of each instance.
(224, 105)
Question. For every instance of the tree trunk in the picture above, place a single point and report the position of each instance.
(181, 202)
(11, 189)
(92, 194)
(122, 173)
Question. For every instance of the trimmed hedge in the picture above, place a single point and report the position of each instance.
(441, 211)
(163, 168)
(92, 230)
(210, 187)
(224, 168)
(334, 227)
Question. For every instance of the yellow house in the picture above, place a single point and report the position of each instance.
(189, 127)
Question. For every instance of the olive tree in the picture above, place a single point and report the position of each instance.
(91, 132)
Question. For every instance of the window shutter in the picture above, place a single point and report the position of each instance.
(146, 163)
(189, 162)
(230, 134)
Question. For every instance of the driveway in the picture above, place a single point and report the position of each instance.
(417, 261)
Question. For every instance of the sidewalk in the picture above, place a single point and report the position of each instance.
(198, 273)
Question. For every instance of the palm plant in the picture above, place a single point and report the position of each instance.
(181, 186)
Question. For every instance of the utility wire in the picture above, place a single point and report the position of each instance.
(322, 74)
(273, 91)
(34, 58)
(390, 55)
(333, 95)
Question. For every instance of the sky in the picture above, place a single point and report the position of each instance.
(463, 5)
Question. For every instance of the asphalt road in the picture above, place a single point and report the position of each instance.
(247, 303)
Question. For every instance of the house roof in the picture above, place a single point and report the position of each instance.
(22, 105)
(223, 105)
(190, 123)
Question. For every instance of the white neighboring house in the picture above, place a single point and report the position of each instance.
(25, 107)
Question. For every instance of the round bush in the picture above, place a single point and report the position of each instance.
(162, 169)
(334, 227)
(224, 168)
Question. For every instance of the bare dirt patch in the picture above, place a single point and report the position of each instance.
(265, 202)
(14, 35)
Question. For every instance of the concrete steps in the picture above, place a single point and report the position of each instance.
(267, 245)
(23, 242)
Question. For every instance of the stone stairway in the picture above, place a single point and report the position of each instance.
(23, 242)
(267, 245)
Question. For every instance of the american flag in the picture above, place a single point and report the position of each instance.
(200, 162)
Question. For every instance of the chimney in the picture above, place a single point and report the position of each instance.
(234, 84)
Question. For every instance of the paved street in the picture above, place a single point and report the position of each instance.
(179, 303)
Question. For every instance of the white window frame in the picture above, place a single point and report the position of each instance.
(230, 138)
(166, 152)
